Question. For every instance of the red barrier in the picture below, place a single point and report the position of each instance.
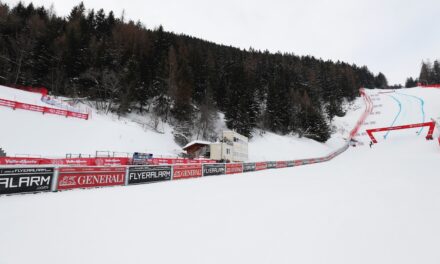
(42, 109)
(86, 177)
(171, 161)
(428, 85)
(187, 171)
(260, 166)
(281, 164)
(431, 126)
(19, 161)
(368, 110)
(232, 168)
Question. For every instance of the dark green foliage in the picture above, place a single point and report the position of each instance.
(180, 79)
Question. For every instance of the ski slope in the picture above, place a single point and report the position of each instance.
(369, 205)
(108, 132)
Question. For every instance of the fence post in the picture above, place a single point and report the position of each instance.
(54, 187)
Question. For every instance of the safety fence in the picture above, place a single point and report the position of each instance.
(28, 179)
(437, 125)
(33, 179)
(367, 112)
(429, 85)
(42, 109)
(97, 161)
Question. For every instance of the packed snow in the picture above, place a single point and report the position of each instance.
(368, 205)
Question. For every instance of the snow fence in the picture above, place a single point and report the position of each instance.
(35, 179)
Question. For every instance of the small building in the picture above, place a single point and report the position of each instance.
(231, 147)
(198, 149)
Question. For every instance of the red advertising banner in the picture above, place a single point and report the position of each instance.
(171, 161)
(87, 177)
(281, 164)
(298, 162)
(187, 171)
(260, 166)
(232, 168)
(42, 109)
(19, 161)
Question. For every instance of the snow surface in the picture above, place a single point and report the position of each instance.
(108, 132)
(368, 205)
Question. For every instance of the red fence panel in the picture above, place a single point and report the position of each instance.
(232, 168)
(87, 177)
(19, 161)
(42, 109)
(260, 166)
(281, 164)
(187, 171)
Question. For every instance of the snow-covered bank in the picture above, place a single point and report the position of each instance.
(379, 205)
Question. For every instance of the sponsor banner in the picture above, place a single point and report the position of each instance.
(281, 164)
(232, 168)
(111, 161)
(22, 180)
(171, 161)
(213, 169)
(7, 103)
(19, 161)
(146, 174)
(260, 166)
(187, 171)
(29, 107)
(271, 164)
(86, 177)
(70, 162)
(251, 166)
(290, 163)
(298, 162)
(55, 111)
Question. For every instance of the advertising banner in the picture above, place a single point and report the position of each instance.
(187, 171)
(298, 162)
(147, 174)
(86, 177)
(19, 161)
(213, 169)
(281, 164)
(249, 167)
(21, 180)
(232, 168)
(290, 163)
(260, 166)
(271, 164)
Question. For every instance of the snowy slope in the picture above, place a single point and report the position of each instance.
(51, 135)
(30, 133)
(378, 205)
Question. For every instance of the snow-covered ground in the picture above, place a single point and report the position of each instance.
(369, 205)
(32, 133)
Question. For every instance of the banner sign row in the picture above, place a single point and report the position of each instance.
(14, 180)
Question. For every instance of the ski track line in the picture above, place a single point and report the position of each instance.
(397, 116)
(422, 107)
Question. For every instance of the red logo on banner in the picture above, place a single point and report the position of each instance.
(232, 168)
(86, 177)
(187, 171)
(260, 166)
(281, 164)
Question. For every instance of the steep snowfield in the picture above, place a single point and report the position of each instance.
(50, 135)
(31, 133)
(378, 205)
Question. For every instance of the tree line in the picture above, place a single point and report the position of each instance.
(429, 74)
(178, 79)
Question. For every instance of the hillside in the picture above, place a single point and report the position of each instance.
(108, 132)
(369, 205)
